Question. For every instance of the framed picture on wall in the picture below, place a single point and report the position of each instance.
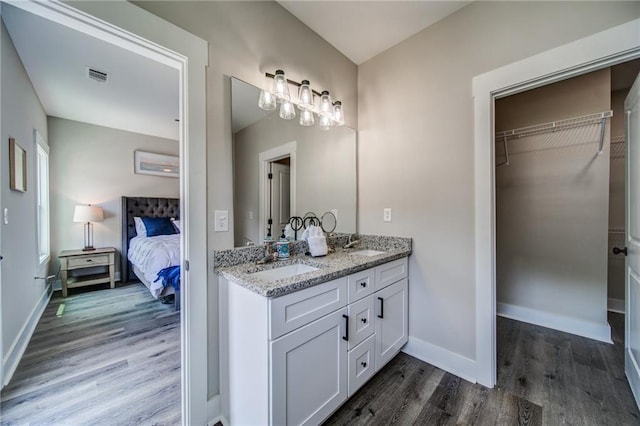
(17, 167)
(149, 163)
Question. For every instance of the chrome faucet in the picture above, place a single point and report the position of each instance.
(249, 242)
(270, 255)
(351, 242)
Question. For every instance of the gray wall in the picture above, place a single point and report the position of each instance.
(325, 175)
(415, 149)
(21, 114)
(552, 202)
(247, 39)
(92, 164)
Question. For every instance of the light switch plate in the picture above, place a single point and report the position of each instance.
(387, 215)
(6, 216)
(221, 221)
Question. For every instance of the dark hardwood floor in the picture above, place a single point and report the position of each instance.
(545, 377)
(112, 358)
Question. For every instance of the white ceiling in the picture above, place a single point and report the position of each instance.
(141, 95)
(361, 29)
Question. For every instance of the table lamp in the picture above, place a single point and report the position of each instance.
(88, 214)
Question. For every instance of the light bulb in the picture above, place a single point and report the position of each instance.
(280, 87)
(305, 96)
(266, 101)
(338, 115)
(326, 106)
(306, 118)
(325, 122)
(287, 110)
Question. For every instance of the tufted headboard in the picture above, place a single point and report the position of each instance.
(141, 206)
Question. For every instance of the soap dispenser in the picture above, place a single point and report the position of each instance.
(283, 247)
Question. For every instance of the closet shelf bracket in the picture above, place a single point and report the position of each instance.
(603, 124)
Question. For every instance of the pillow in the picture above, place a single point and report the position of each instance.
(141, 231)
(158, 226)
(177, 225)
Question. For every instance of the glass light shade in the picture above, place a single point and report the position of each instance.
(306, 118)
(326, 106)
(305, 96)
(325, 122)
(281, 87)
(267, 101)
(287, 110)
(338, 115)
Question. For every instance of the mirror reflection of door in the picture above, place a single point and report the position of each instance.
(278, 192)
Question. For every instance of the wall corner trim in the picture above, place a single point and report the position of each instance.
(442, 358)
(579, 327)
(14, 354)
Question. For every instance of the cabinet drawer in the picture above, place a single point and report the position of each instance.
(391, 272)
(361, 365)
(84, 261)
(361, 321)
(360, 284)
(288, 312)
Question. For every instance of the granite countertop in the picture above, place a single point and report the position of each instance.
(335, 265)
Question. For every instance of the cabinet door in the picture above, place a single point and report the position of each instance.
(391, 321)
(309, 371)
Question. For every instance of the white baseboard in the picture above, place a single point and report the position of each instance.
(14, 354)
(442, 358)
(589, 329)
(616, 305)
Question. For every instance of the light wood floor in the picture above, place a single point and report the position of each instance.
(544, 377)
(112, 358)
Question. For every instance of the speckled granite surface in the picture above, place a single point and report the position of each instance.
(238, 264)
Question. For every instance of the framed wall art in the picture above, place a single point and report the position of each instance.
(149, 163)
(17, 167)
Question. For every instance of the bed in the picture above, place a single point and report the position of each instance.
(144, 257)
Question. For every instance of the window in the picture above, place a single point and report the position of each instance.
(42, 181)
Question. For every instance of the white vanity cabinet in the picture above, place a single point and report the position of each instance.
(296, 358)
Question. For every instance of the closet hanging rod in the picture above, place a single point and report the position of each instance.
(553, 126)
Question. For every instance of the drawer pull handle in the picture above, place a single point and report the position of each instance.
(363, 284)
(381, 307)
(363, 364)
(88, 260)
(346, 328)
(364, 320)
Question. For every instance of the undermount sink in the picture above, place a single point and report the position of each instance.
(282, 272)
(367, 252)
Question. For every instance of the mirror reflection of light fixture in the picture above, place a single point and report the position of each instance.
(88, 215)
(330, 114)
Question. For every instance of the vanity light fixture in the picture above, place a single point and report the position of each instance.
(329, 113)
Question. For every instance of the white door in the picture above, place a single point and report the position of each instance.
(309, 371)
(391, 321)
(278, 206)
(632, 274)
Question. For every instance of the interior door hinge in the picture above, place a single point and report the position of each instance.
(186, 265)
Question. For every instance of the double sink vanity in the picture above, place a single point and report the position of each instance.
(301, 336)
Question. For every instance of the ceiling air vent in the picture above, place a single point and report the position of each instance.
(97, 75)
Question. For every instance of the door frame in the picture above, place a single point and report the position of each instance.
(264, 158)
(604, 49)
(130, 27)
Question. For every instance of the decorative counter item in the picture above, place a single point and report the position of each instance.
(283, 247)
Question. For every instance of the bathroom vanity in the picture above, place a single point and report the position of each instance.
(300, 337)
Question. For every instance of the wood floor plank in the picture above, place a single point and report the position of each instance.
(112, 358)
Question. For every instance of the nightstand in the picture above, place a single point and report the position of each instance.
(74, 260)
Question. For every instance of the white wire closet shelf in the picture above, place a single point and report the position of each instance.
(554, 126)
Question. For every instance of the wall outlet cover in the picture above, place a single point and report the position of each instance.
(387, 215)
(221, 221)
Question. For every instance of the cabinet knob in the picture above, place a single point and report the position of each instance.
(363, 364)
(364, 320)
(363, 284)
(88, 260)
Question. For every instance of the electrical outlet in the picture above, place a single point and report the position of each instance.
(6, 216)
(221, 221)
(387, 215)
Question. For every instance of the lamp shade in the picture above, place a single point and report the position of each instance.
(88, 214)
